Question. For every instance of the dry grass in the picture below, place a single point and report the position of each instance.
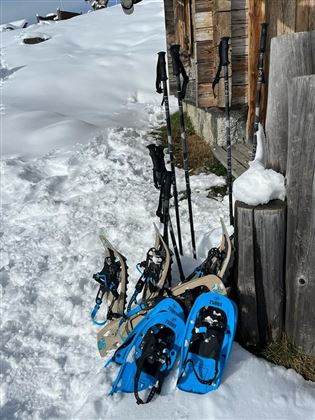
(200, 156)
(285, 354)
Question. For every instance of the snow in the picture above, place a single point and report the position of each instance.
(62, 89)
(258, 185)
(55, 200)
(17, 24)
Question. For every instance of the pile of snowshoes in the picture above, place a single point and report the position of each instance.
(194, 321)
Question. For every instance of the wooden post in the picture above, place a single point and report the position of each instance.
(291, 55)
(246, 288)
(300, 263)
(260, 244)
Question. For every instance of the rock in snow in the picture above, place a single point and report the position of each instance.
(96, 75)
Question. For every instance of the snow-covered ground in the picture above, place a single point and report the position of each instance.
(93, 83)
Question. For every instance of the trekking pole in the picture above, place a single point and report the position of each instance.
(166, 220)
(260, 81)
(179, 69)
(225, 63)
(161, 76)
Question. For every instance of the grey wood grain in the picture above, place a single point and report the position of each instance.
(245, 273)
(300, 263)
(290, 56)
(270, 240)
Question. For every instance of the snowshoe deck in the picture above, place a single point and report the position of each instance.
(116, 331)
(209, 334)
(149, 353)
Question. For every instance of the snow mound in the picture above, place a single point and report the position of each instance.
(259, 185)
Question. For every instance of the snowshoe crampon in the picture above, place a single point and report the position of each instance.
(113, 279)
(150, 351)
(209, 334)
(116, 331)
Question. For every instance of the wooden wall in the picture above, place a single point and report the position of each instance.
(198, 25)
(284, 16)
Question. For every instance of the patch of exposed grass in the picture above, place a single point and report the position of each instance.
(200, 156)
(285, 354)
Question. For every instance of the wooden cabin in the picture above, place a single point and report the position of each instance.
(198, 25)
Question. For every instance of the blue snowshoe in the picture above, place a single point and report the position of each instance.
(149, 352)
(209, 334)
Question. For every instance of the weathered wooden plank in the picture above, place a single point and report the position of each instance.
(203, 20)
(245, 149)
(205, 72)
(311, 17)
(290, 57)
(270, 237)
(204, 34)
(205, 96)
(203, 5)
(245, 272)
(302, 15)
(221, 28)
(300, 262)
(237, 167)
(289, 13)
(205, 52)
(239, 156)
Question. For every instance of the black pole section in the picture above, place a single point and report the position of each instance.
(179, 264)
(166, 195)
(260, 81)
(159, 169)
(224, 59)
(166, 220)
(162, 77)
(178, 69)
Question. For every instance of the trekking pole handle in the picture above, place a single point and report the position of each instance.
(225, 51)
(263, 37)
(162, 66)
(175, 59)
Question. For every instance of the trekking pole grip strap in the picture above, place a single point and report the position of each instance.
(263, 37)
(224, 51)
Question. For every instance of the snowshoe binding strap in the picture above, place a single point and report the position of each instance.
(155, 270)
(210, 329)
(150, 351)
(154, 360)
(116, 331)
(178, 68)
(113, 283)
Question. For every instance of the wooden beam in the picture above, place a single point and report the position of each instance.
(291, 55)
(300, 264)
(245, 272)
(260, 249)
